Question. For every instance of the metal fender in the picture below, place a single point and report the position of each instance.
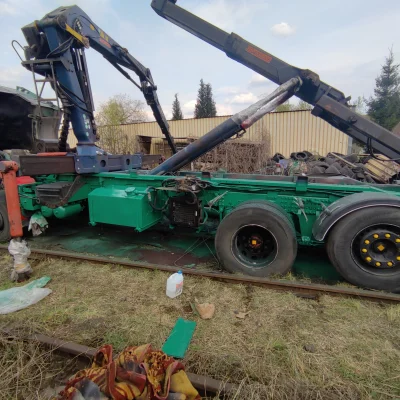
(347, 205)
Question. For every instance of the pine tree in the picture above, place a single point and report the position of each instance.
(384, 106)
(205, 106)
(176, 109)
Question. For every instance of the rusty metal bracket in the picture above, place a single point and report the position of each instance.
(8, 172)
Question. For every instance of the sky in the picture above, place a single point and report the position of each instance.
(344, 41)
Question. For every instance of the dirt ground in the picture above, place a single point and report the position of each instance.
(287, 347)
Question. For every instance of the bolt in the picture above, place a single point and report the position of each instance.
(369, 259)
(387, 235)
(364, 250)
(367, 242)
(376, 236)
(390, 264)
(378, 264)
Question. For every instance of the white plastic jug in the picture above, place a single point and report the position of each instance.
(175, 285)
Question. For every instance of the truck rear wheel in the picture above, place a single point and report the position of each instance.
(256, 239)
(4, 223)
(364, 248)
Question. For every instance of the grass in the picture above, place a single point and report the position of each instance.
(287, 347)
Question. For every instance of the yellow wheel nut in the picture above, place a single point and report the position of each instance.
(369, 259)
(378, 264)
(387, 235)
(398, 258)
(390, 264)
(376, 236)
(364, 250)
(397, 240)
(367, 242)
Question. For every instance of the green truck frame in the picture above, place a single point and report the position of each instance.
(258, 221)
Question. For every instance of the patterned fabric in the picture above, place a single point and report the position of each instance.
(137, 373)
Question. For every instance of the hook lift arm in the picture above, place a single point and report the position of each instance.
(329, 103)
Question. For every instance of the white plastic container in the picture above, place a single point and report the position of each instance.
(175, 285)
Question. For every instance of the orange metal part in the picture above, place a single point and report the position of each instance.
(8, 170)
(57, 153)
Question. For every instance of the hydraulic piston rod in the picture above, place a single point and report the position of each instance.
(232, 126)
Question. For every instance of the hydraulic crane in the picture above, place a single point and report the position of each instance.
(258, 221)
(56, 51)
(329, 103)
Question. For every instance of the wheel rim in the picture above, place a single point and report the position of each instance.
(376, 249)
(254, 246)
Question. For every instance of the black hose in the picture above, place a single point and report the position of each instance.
(153, 202)
(62, 141)
(371, 152)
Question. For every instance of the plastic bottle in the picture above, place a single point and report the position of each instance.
(175, 285)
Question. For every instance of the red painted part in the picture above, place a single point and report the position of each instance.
(8, 171)
(52, 154)
(23, 180)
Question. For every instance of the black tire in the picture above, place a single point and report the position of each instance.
(309, 155)
(321, 164)
(348, 172)
(346, 243)
(269, 225)
(317, 170)
(4, 223)
(277, 157)
(299, 156)
(330, 160)
(333, 170)
(353, 158)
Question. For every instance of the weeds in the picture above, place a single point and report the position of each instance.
(286, 347)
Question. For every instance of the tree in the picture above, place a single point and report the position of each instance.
(205, 106)
(176, 109)
(358, 105)
(303, 106)
(119, 110)
(300, 106)
(286, 106)
(384, 106)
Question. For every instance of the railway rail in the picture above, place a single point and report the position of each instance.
(203, 384)
(308, 290)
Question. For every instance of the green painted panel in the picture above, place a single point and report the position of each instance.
(125, 207)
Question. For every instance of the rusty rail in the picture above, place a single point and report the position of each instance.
(302, 289)
(202, 383)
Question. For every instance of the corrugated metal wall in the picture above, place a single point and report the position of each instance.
(289, 131)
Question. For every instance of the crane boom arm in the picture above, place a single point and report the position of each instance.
(329, 103)
(58, 41)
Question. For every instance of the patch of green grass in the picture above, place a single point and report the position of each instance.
(278, 345)
(118, 339)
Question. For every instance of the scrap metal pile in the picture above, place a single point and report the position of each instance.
(361, 167)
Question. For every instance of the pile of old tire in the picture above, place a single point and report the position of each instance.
(332, 166)
(302, 156)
